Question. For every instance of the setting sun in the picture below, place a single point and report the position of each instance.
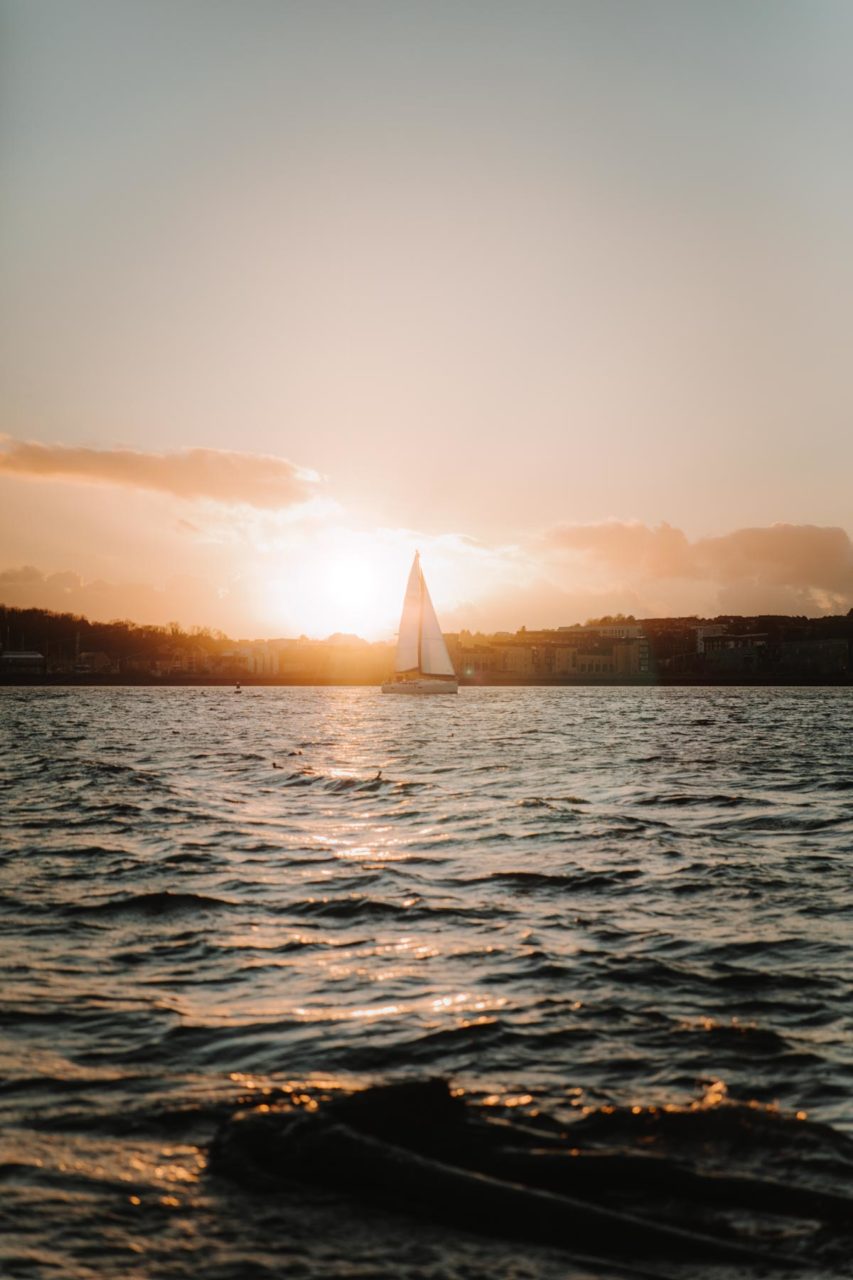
(350, 596)
(350, 581)
(353, 591)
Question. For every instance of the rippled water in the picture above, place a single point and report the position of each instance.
(557, 897)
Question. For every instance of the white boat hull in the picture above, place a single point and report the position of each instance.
(426, 687)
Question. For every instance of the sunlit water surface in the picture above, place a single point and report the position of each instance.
(556, 897)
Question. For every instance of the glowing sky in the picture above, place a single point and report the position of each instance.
(558, 292)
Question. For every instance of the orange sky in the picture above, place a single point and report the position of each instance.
(557, 293)
(256, 546)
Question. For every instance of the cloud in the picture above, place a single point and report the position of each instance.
(326, 578)
(540, 604)
(803, 556)
(256, 480)
(785, 568)
(631, 547)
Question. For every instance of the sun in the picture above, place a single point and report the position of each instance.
(352, 595)
(337, 591)
(350, 582)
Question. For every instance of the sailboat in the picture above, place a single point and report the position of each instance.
(422, 663)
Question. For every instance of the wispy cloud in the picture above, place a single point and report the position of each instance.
(252, 479)
(628, 547)
(784, 567)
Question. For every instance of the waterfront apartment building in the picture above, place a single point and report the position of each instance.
(567, 654)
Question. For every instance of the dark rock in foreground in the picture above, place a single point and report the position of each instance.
(617, 1184)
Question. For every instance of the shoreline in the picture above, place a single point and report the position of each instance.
(23, 680)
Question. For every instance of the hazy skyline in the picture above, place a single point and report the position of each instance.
(559, 293)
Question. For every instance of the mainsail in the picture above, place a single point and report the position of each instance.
(420, 644)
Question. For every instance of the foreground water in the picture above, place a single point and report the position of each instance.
(558, 898)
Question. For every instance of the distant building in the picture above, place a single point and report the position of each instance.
(340, 659)
(261, 658)
(570, 653)
(709, 631)
(472, 658)
(631, 658)
(815, 657)
(231, 660)
(514, 656)
(22, 662)
(594, 662)
(618, 630)
(94, 664)
(738, 654)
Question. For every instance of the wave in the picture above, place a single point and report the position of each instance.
(785, 823)
(676, 800)
(154, 903)
(555, 803)
(359, 906)
(740, 1037)
(526, 919)
(308, 776)
(578, 882)
(445, 1045)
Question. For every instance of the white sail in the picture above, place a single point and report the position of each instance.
(420, 644)
(435, 660)
(408, 641)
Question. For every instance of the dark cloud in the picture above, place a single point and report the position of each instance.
(257, 480)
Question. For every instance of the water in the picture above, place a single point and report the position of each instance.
(558, 898)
